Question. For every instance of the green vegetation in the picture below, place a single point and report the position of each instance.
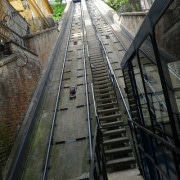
(58, 10)
(124, 5)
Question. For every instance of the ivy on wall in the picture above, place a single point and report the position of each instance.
(58, 9)
(125, 5)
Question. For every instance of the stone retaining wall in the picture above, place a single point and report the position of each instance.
(42, 43)
(132, 21)
(17, 84)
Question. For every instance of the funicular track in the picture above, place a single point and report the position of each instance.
(66, 144)
(117, 149)
(62, 141)
(71, 138)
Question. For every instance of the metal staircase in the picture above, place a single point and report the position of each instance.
(117, 149)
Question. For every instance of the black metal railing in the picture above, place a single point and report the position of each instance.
(154, 93)
(98, 161)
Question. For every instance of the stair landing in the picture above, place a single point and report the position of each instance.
(125, 175)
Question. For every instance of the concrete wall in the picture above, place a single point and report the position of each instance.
(17, 84)
(20, 72)
(132, 20)
(38, 13)
(19, 75)
(168, 30)
(42, 43)
(14, 26)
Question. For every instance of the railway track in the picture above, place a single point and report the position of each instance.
(68, 139)
(62, 146)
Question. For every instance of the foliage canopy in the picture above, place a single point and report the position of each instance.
(58, 10)
(125, 5)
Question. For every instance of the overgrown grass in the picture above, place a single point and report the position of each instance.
(58, 10)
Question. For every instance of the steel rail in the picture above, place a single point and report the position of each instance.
(86, 86)
(95, 107)
(160, 101)
(174, 72)
(55, 109)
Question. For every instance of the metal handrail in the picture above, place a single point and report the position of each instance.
(87, 95)
(95, 107)
(154, 92)
(98, 136)
(117, 84)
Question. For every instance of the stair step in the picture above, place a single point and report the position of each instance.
(96, 59)
(126, 160)
(97, 86)
(108, 110)
(112, 124)
(107, 104)
(134, 113)
(114, 132)
(119, 150)
(99, 72)
(109, 100)
(101, 78)
(99, 95)
(131, 101)
(97, 66)
(115, 141)
(96, 63)
(95, 55)
(132, 107)
(102, 88)
(107, 89)
(130, 95)
(110, 117)
(100, 59)
(101, 82)
(100, 75)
